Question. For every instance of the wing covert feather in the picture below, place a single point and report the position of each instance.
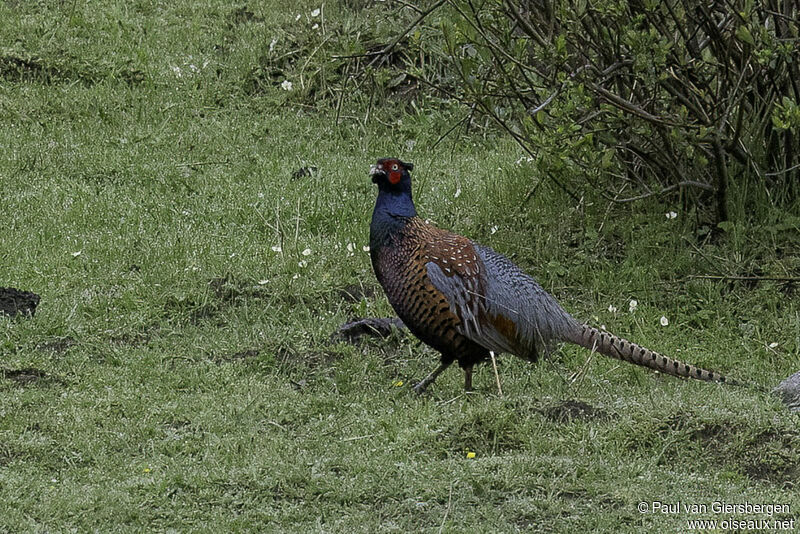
(500, 307)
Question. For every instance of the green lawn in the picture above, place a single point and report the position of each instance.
(179, 374)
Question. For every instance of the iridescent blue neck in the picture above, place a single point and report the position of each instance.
(392, 208)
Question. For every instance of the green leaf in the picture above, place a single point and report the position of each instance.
(725, 226)
(561, 43)
(397, 80)
(744, 35)
(608, 157)
(779, 123)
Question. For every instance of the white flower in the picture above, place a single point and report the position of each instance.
(671, 215)
(307, 252)
(773, 345)
(277, 248)
(273, 43)
(286, 85)
(296, 276)
(315, 26)
(664, 321)
(302, 264)
(458, 192)
(297, 17)
(365, 248)
(632, 305)
(493, 229)
(76, 254)
(263, 282)
(612, 309)
(315, 13)
(351, 247)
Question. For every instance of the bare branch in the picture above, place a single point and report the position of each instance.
(783, 171)
(728, 277)
(669, 188)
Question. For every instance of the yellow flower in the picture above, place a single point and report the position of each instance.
(470, 455)
(398, 383)
(146, 469)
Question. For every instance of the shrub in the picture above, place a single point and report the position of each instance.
(634, 97)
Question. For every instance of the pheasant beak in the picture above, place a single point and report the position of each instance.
(376, 171)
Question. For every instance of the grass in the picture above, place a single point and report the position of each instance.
(179, 372)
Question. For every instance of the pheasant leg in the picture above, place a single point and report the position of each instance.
(428, 380)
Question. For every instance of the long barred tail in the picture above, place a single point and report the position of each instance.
(622, 349)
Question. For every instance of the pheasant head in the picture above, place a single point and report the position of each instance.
(391, 174)
(394, 203)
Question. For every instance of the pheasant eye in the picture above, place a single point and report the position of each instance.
(395, 167)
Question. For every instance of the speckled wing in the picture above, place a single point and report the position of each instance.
(454, 269)
(520, 308)
(500, 307)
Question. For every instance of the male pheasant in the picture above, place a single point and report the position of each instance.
(465, 300)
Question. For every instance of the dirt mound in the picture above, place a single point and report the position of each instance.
(14, 301)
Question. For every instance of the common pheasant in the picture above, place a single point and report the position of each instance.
(465, 300)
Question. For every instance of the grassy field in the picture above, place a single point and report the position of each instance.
(180, 375)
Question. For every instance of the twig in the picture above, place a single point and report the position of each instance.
(273, 423)
(730, 277)
(529, 194)
(629, 107)
(579, 375)
(408, 5)
(447, 510)
(547, 100)
(684, 183)
(388, 48)
(608, 210)
(448, 132)
(340, 100)
(449, 401)
(199, 163)
(784, 171)
(702, 254)
(526, 25)
(496, 374)
(354, 438)
(721, 165)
